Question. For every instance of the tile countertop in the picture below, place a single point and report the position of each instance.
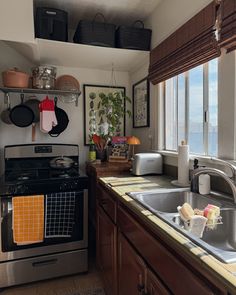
(226, 273)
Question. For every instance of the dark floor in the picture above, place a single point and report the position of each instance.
(84, 284)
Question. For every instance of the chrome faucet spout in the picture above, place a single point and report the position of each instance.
(217, 172)
(226, 163)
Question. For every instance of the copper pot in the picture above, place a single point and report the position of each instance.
(15, 78)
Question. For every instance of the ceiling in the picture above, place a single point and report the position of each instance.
(123, 12)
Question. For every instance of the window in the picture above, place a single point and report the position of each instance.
(191, 109)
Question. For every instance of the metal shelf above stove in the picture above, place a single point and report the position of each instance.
(8, 90)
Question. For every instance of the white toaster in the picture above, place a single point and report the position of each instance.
(147, 163)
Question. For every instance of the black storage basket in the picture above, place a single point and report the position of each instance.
(95, 33)
(51, 23)
(133, 37)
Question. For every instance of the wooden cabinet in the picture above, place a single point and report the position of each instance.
(106, 243)
(164, 260)
(134, 277)
(17, 20)
(131, 269)
(136, 260)
(94, 171)
(154, 286)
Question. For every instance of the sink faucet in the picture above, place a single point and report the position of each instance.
(231, 166)
(213, 171)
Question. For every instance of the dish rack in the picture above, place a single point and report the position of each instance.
(210, 224)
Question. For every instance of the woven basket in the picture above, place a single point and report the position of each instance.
(95, 33)
(133, 37)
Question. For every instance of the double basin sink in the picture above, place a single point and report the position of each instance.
(220, 242)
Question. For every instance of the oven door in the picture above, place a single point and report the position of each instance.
(55, 239)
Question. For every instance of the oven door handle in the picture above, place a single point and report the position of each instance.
(44, 262)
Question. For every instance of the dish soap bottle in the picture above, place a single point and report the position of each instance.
(92, 152)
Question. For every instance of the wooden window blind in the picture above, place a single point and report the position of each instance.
(192, 44)
(228, 24)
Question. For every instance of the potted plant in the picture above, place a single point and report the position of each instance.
(111, 111)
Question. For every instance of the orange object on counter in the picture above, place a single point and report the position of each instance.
(28, 219)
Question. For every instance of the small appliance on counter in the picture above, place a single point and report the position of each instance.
(147, 163)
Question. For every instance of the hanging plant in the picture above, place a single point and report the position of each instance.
(112, 108)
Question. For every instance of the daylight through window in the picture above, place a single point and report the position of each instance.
(191, 109)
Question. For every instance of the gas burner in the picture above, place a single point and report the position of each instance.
(65, 175)
(22, 177)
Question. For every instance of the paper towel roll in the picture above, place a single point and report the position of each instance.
(183, 164)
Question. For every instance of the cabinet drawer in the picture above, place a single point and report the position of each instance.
(179, 277)
(106, 201)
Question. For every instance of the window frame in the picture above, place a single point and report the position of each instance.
(205, 111)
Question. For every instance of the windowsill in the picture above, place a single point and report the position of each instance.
(201, 158)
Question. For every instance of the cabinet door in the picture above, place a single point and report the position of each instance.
(106, 250)
(131, 269)
(17, 20)
(154, 286)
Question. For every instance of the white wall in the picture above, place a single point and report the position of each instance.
(170, 15)
(10, 134)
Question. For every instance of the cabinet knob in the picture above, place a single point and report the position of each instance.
(140, 288)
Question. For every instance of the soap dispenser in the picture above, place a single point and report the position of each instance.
(204, 184)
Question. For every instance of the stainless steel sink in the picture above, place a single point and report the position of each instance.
(220, 242)
(167, 200)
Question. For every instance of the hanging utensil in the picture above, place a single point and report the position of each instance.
(5, 114)
(22, 115)
(62, 121)
(33, 103)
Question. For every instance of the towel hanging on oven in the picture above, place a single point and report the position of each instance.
(60, 214)
(28, 219)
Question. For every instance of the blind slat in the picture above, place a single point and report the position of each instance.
(192, 44)
(228, 24)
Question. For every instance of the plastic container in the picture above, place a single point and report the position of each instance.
(204, 184)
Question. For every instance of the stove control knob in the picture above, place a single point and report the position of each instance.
(21, 189)
(63, 186)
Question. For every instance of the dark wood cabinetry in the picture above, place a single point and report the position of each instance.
(154, 287)
(131, 269)
(135, 260)
(134, 277)
(106, 250)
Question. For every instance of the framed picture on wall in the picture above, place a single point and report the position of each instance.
(93, 120)
(141, 100)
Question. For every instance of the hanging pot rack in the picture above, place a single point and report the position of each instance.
(7, 90)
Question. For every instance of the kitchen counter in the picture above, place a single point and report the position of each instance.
(225, 273)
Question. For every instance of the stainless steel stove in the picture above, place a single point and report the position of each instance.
(32, 170)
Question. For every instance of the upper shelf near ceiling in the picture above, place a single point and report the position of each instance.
(67, 54)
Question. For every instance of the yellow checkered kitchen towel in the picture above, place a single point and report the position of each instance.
(28, 219)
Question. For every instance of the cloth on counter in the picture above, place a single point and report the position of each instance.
(28, 219)
(60, 214)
